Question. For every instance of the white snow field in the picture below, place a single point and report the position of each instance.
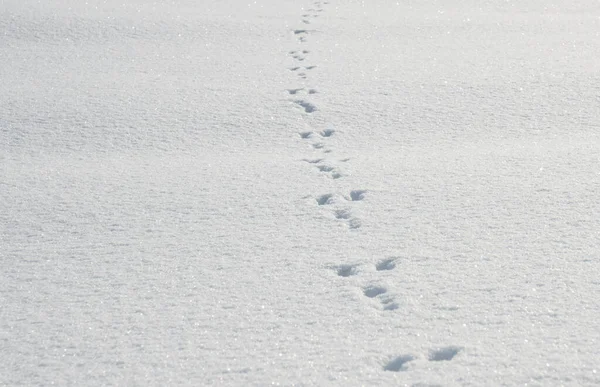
(299, 192)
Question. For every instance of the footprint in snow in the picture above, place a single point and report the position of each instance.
(332, 172)
(374, 291)
(346, 216)
(398, 363)
(301, 90)
(342, 214)
(386, 264)
(357, 195)
(346, 270)
(324, 199)
(444, 353)
(308, 107)
(379, 292)
(313, 161)
(327, 133)
(325, 168)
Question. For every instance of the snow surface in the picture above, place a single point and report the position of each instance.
(289, 192)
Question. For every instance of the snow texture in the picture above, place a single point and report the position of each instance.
(305, 192)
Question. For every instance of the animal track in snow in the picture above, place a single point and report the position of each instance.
(313, 161)
(343, 214)
(374, 291)
(295, 68)
(310, 67)
(331, 171)
(386, 264)
(357, 195)
(346, 216)
(301, 90)
(325, 168)
(324, 199)
(327, 133)
(379, 292)
(346, 270)
(398, 363)
(370, 290)
(308, 107)
(444, 353)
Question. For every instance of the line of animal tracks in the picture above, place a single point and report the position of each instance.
(340, 206)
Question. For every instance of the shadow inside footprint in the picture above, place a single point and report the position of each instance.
(386, 264)
(313, 161)
(374, 291)
(398, 364)
(325, 168)
(324, 199)
(327, 133)
(307, 106)
(342, 214)
(444, 354)
(346, 270)
(306, 135)
(357, 195)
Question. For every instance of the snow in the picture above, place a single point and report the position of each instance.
(302, 192)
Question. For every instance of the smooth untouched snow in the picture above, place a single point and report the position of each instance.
(303, 192)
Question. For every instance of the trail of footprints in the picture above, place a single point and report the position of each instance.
(406, 362)
(341, 206)
(387, 302)
(371, 290)
(324, 164)
(300, 57)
